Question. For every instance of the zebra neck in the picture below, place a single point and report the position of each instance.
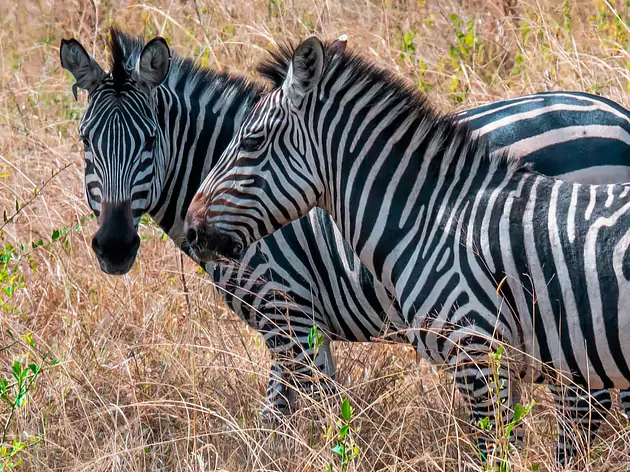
(198, 121)
(400, 199)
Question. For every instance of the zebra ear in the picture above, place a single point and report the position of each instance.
(153, 64)
(305, 70)
(75, 59)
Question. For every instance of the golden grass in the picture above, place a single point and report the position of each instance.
(149, 379)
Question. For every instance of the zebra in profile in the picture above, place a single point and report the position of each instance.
(480, 253)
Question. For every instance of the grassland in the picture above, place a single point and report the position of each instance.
(149, 371)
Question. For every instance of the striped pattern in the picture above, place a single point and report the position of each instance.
(125, 131)
(588, 136)
(440, 225)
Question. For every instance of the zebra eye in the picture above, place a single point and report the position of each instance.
(149, 143)
(252, 143)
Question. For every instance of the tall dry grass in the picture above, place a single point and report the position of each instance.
(152, 372)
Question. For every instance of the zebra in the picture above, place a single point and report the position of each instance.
(481, 254)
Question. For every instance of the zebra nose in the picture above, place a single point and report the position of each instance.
(191, 236)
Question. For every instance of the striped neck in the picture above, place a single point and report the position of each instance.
(199, 111)
(403, 189)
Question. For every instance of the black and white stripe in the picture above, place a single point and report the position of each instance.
(438, 222)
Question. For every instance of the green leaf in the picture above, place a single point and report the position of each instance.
(343, 431)
(17, 369)
(17, 206)
(484, 424)
(29, 339)
(311, 337)
(337, 450)
(346, 410)
(56, 234)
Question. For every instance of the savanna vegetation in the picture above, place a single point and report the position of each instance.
(150, 371)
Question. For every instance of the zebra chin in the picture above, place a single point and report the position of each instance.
(119, 268)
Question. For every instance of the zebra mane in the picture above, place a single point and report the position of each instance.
(125, 51)
(275, 67)
(346, 68)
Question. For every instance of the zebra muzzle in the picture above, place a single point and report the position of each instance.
(116, 242)
(211, 244)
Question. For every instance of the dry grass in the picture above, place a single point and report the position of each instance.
(149, 379)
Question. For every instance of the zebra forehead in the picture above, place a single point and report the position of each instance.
(105, 110)
(264, 111)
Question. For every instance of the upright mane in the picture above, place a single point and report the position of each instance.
(125, 50)
(349, 67)
(345, 69)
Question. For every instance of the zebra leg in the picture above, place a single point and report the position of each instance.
(316, 377)
(279, 398)
(581, 412)
(298, 362)
(492, 398)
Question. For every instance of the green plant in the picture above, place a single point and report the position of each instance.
(147, 224)
(345, 447)
(15, 389)
(408, 43)
(500, 432)
(315, 339)
(465, 37)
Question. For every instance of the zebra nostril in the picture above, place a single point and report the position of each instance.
(191, 235)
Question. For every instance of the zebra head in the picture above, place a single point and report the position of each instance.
(121, 139)
(269, 175)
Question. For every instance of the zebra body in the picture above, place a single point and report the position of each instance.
(478, 252)
(572, 136)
